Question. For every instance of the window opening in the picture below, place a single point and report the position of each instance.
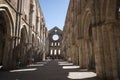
(59, 52)
(55, 30)
(51, 52)
(55, 52)
(55, 37)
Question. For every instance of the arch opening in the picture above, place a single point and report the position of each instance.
(23, 35)
(2, 34)
(6, 26)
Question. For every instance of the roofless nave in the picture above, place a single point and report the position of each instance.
(90, 38)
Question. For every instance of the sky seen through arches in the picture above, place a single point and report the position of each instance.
(54, 12)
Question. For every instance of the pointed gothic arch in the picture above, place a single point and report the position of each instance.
(24, 35)
(7, 33)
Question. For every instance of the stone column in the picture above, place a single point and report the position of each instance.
(8, 53)
(111, 54)
(80, 53)
(84, 54)
(115, 54)
(99, 58)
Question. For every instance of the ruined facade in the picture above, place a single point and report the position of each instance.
(55, 42)
(23, 33)
(91, 36)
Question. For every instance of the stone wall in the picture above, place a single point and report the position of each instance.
(55, 42)
(23, 32)
(91, 36)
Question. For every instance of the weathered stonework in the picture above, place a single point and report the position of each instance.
(91, 36)
(23, 33)
(55, 43)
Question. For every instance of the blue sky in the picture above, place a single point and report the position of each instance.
(54, 12)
